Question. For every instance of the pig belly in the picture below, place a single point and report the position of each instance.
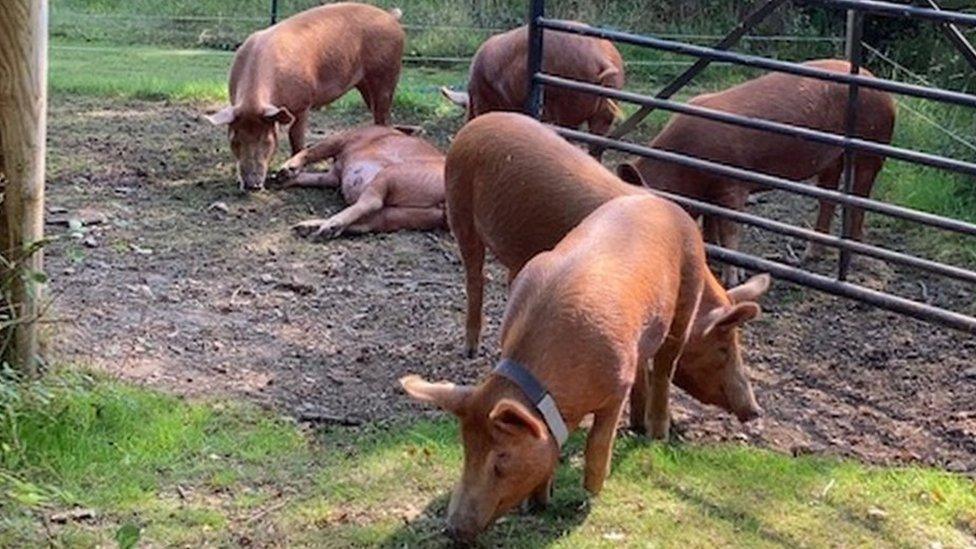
(355, 177)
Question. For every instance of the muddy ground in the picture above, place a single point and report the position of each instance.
(177, 292)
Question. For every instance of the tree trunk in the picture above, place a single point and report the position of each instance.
(23, 119)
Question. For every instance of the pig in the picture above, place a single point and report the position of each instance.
(390, 180)
(779, 97)
(625, 287)
(307, 61)
(515, 187)
(499, 78)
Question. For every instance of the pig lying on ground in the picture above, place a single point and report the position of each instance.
(517, 188)
(391, 181)
(785, 98)
(626, 286)
(499, 78)
(304, 62)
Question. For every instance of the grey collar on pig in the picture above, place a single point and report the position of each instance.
(537, 395)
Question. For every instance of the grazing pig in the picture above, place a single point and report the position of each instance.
(499, 78)
(623, 288)
(304, 62)
(514, 186)
(784, 98)
(391, 181)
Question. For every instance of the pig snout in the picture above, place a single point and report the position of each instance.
(743, 402)
(249, 180)
(460, 536)
(463, 528)
(749, 414)
(466, 518)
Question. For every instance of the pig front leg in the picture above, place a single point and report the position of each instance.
(296, 133)
(599, 445)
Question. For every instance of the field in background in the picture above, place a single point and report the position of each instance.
(134, 464)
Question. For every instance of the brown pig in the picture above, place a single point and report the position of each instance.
(515, 187)
(625, 287)
(304, 62)
(392, 181)
(779, 97)
(499, 78)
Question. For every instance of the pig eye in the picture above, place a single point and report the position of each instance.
(499, 465)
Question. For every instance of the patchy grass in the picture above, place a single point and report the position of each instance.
(212, 472)
(198, 75)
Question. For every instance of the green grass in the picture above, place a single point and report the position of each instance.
(129, 454)
(929, 189)
(199, 75)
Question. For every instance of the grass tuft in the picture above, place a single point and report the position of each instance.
(216, 473)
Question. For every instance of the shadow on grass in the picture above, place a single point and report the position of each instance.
(536, 529)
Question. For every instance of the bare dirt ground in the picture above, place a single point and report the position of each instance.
(176, 293)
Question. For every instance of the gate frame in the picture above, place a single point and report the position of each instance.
(856, 10)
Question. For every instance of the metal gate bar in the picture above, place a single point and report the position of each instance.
(777, 183)
(807, 134)
(896, 304)
(957, 38)
(775, 226)
(901, 10)
(855, 30)
(793, 231)
(850, 144)
(732, 38)
(836, 287)
(923, 92)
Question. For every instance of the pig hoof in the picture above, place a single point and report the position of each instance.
(660, 430)
(676, 433)
(328, 231)
(309, 228)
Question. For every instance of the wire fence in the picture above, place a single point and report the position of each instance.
(427, 42)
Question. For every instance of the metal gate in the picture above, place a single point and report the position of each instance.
(856, 10)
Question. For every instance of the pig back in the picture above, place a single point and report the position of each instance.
(317, 55)
(521, 186)
(499, 74)
(784, 98)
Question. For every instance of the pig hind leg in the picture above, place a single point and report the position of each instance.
(370, 202)
(599, 445)
(828, 179)
(638, 397)
(377, 90)
(866, 168)
(392, 218)
(865, 172)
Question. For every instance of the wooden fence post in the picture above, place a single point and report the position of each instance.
(23, 120)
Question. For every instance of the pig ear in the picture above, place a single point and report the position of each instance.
(514, 418)
(444, 395)
(751, 290)
(723, 319)
(222, 117)
(628, 172)
(279, 115)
